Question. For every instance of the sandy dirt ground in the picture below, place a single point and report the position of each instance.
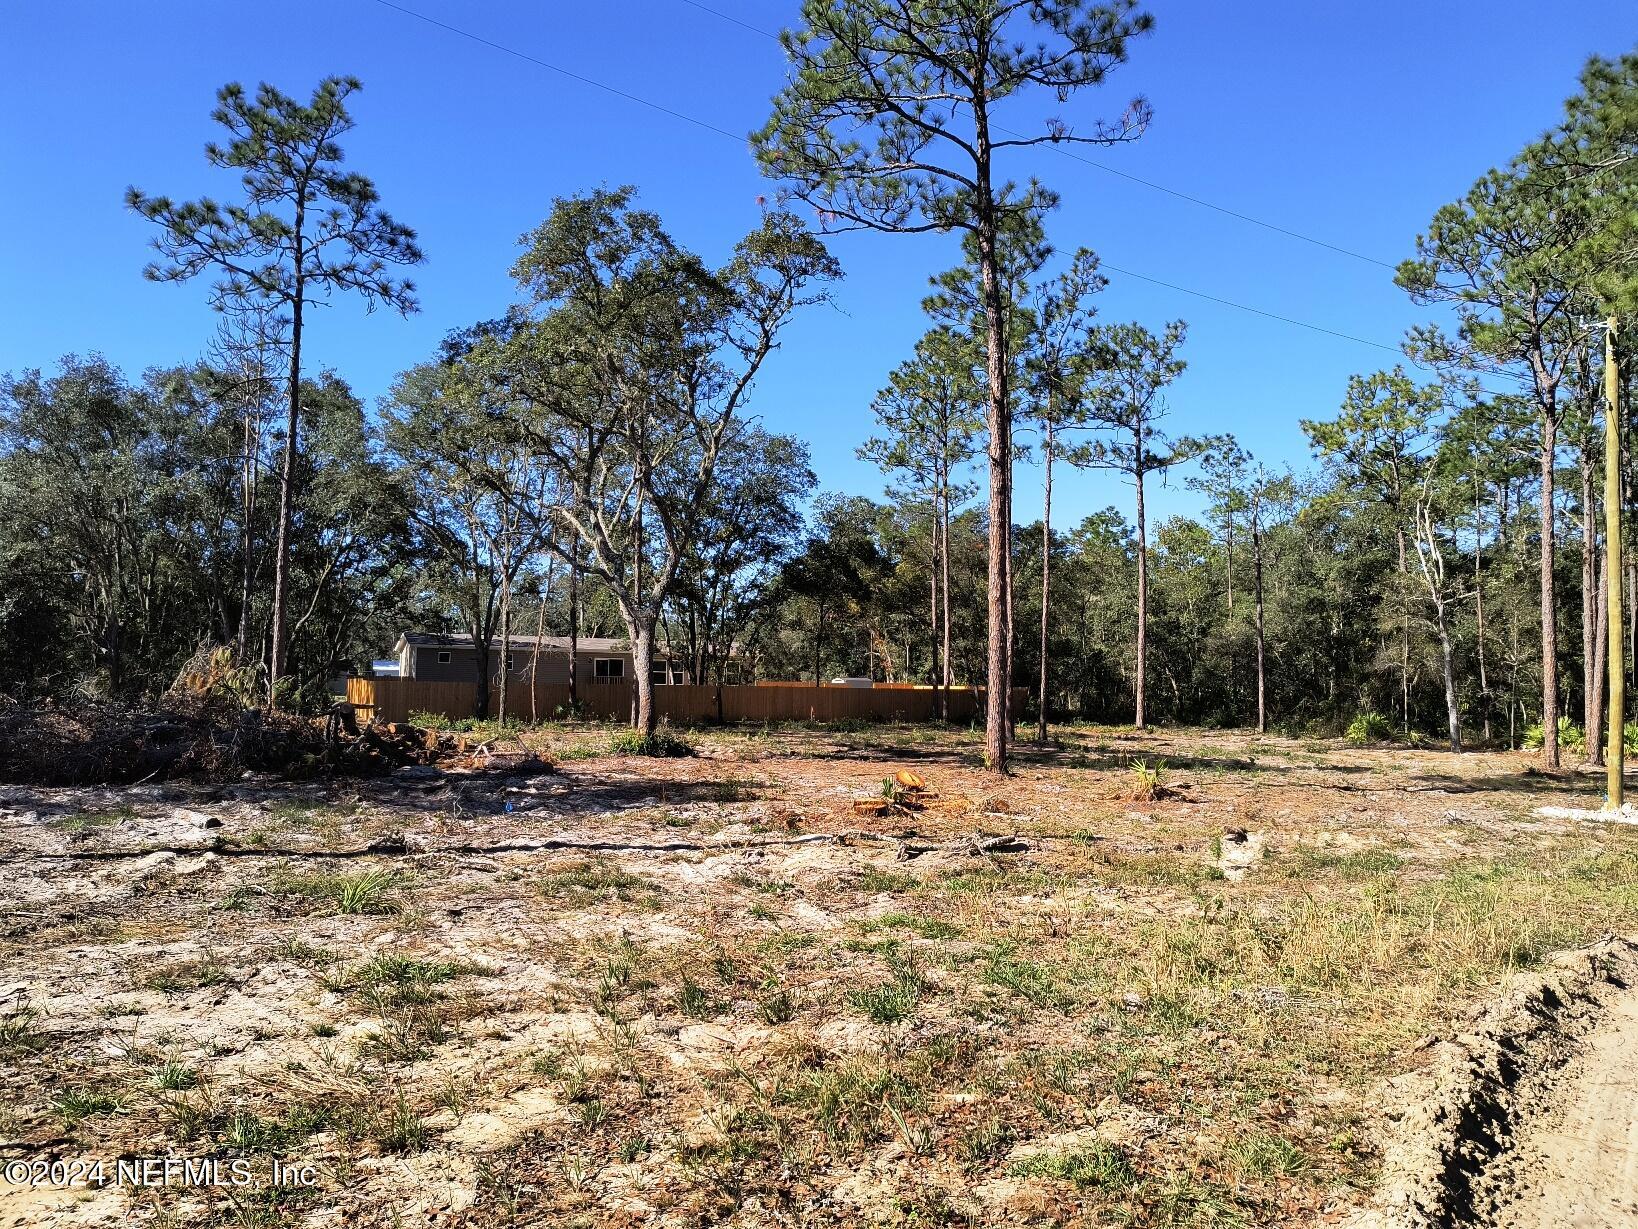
(1149, 980)
(1572, 1162)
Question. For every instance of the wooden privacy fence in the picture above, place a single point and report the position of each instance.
(391, 699)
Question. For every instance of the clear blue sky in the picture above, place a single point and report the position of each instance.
(1349, 122)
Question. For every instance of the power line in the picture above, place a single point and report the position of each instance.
(561, 71)
(698, 123)
(1256, 311)
(1110, 170)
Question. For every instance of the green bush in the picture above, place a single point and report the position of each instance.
(662, 744)
(1570, 736)
(1369, 728)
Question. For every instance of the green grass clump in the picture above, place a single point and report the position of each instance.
(1097, 1164)
(175, 1077)
(74, 1105)
(890, 1002)
(368, 892)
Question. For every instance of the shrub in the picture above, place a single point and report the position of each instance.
(661, 744)
(1570, 736)
(1368, 728)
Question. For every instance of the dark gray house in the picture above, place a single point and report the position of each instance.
(441, 658)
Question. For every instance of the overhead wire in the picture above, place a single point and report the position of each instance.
(740, 139)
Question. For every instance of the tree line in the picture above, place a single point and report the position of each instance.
(589, 460)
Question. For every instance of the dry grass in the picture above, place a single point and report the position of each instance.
(687, 1022)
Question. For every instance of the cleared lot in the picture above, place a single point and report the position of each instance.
(747, 988)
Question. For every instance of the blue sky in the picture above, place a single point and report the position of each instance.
(1348, 122)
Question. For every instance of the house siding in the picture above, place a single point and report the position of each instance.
(462, 666)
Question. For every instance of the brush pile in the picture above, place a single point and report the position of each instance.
(204, 738)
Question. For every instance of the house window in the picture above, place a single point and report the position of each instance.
(609, 668)
(508, 661)
(660, 673)
(443, 657)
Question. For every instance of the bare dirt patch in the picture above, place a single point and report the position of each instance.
(732, 989)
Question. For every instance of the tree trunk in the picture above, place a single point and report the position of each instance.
(483, 648)
(641, 629)
(932, 604)
(1142, 594)
(1046, 577)
(1453, 712)
(574, 630)
(247, 532)
(944, 584)
(818, 637)
(1549, 594)
(505, 633)
(1257, 565)
(1589, 608)
(1610, 608)
(540, 642)
(1478, 602)
(1404, 643)
(1595, 706)
(998, 420)
(287, 484)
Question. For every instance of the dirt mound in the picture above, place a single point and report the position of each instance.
(1500, 1125)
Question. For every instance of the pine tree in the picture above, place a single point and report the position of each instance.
(306, 229)
(887, 123)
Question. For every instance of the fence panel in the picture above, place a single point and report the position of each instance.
(394, 699)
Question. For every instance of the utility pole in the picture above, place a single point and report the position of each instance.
(1612, 564)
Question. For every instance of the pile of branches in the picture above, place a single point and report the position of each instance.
(91, 741)
(194, 738)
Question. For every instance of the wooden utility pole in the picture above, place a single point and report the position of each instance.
(1612, 565)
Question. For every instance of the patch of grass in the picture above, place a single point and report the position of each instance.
(986, 1141)
(1188, 874)
(875, 881)
(595, 877)
(1307, 861)
(918, 923)
(17, 1032)
(238, 899)
(367, 892)
(175, 1077)
(733, 789)
(890, 1002)
(401, 1129)
(84, 820)
(303, 813)
(847, 1101)
(694, 1000)
(406, 976)
(1093, 1165)
(776, 1004)
(1024, 979)
(74, 1105)
(1262, 1155)
(180, 976)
